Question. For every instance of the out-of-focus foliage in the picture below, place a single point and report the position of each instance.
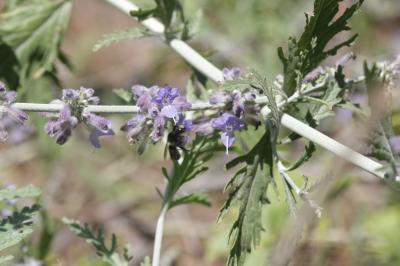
(97, 240)
(30, 37)
(16, 226)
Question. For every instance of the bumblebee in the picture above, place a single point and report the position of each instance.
(176, 140)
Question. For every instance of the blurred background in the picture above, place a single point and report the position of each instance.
(115, 189)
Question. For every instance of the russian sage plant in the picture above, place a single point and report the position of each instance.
(202, 125)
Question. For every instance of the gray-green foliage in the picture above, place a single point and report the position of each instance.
(118, 36)
(248, 189)
(249, 185)
(17, 226)
(30, 36)
(378, 80)
(109, 254)
(191, 166)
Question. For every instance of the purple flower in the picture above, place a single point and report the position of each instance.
(98, 122)
(228, 124)
(231, 73)
(144, 96)
(61, 128)
(16, 133)
(7, 111)
(134, 127)
(220, 97)
(166, 95)
(238, 104)
(101, 127)
(170, 102)
(158, 128)
(95, 134)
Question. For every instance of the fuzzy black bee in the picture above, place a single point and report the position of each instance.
(176, 139)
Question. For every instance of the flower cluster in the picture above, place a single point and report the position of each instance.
(161, 112)
(235, 114)
(74, 102)
(158, 105)
(9, 116)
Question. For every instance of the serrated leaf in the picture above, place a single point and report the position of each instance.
(118, 36)
(308, 152)
(14, 228)
(97, 240)
(25, 192)
(248, 188)
(194, 198)
(33, 30)
(306, 53)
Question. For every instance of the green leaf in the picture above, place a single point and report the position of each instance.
(309, 150)
(14, 228)
(192, 165)
(25, 192)
(4, 259)
(306, 53)
(248, 188)
(194, 198)
(33, 30)
(97, 240)
(123, 94)
(122, 35)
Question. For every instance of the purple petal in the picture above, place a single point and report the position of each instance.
(313, 75)
(170, 111)
(139, 90)
(99, 122)
(69, 94)
(144, 102)
(181, 103)
(219, 123)
(9, 97)
(158, 129)
(95, 134)
(220, 97)
(17, 115)
(65, 113)
(228, 140)
(230, 74)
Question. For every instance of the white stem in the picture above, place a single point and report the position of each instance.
(208, 69)
(182, 48)
(159, 236)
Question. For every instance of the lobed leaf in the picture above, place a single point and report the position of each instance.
(25, 192)
(118, 36)
(107, 254)
(306, 53)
